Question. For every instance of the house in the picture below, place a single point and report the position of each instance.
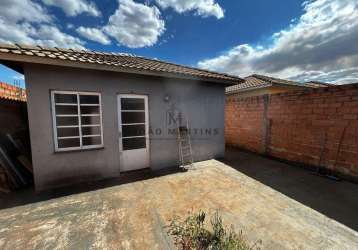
(10, 92)
(93, 115)
(255, 85)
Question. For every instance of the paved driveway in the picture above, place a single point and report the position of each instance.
(132, 216)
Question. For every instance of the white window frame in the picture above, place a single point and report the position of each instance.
(79, 126)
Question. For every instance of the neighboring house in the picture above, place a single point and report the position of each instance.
(10, 92)
(316, 84)
(255, 85)
(93, 115)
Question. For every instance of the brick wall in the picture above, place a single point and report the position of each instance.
(244, 121)
(316, 127)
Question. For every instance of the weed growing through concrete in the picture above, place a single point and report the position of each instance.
(193, 233)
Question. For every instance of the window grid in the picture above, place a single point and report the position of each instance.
(79, 116)
(131, 110)
(79, 119)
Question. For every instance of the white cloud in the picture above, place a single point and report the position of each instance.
(44, 34)
(94, 34)
(135, 25)
(52, 36)
(32, 26)
(342, 76)
(19, 77)
(203, 8)
(12, 32)
(322, 45)
(70, 26)
(74, 7)
(23, 10)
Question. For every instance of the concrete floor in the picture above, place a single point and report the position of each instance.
(29, 195)
(337, 200)
(133, 215)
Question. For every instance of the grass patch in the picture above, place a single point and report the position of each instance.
(194, 233)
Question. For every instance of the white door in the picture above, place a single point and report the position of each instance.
(133, 132)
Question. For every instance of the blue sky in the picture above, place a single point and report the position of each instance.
(299, 40)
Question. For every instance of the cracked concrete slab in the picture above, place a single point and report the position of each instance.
(134, 215)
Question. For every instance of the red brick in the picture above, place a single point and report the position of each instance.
(350, 117)
(298, 124)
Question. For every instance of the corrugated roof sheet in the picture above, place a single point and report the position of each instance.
(126, 61)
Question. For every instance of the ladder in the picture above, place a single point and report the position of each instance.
(185, 152)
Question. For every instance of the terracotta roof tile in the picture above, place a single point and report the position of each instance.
(316, 84)
(260, 81)
(273, 80)
(251, 82)
(115, 59)
(11, 92)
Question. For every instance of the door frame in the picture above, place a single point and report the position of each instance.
(119, 115)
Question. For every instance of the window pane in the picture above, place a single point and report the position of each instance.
(91, 130)
(133, 130)
(69, 143)
(89, 99)
(133, 117)
(134, 143)
(132, 103)
(89, 110)
(66, 110)
(90, 141)
(65, 98)
(66, 121)
(64, 132)
(71, 108)
(88, 120)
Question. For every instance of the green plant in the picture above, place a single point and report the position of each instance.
(192, 233)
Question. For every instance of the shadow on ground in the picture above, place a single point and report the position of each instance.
(335, 199)
(29, 195)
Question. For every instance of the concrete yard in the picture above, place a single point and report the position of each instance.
(133, 215)
(336, 199)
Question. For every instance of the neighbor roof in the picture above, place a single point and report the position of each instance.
(107, 61)
(316, 84)
(11, 92)
(259, 81)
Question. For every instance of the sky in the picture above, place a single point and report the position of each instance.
(295, 39)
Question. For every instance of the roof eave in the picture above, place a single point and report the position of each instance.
(106, 67)
(248, 89)
(291, 85)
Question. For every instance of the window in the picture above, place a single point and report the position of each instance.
(77, 120)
